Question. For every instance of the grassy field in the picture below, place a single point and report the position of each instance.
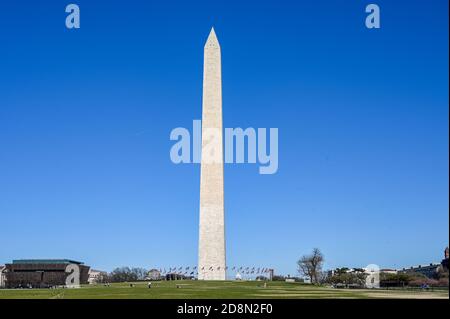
(204, 289)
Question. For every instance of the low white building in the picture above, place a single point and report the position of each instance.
(154, 274)
(2, 276)
(96, 276)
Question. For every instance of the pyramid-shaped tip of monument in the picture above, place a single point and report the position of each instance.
(212, 39)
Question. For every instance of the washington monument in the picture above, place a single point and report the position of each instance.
(211, 250)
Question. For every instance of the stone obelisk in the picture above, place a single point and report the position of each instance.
(211, 254)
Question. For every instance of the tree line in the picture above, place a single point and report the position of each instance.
(123, 274)
(310, 266)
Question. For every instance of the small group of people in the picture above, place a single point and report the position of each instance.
(132, 285)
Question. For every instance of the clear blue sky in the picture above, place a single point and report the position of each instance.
(85, 117)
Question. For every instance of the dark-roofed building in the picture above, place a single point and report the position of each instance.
(429, 271)
(42, 273)
(444, 261)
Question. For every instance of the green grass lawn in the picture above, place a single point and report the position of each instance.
(211, 289)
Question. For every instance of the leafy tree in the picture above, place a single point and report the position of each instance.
(398, 279)
(357, 278)
(358, 270)
(341, 271)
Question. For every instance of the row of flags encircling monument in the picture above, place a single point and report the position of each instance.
(194, 270)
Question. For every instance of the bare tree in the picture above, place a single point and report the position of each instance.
(311, 265)
(139, 273)
(123, 274)
(304, 267)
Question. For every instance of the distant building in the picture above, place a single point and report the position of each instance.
(431, 270)
(426, 270)
(2, 276)
(96, 276)
(175, 276)
(271, 274)
(290, 280)
(444, 261)
(41, 273)
(154, 274)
